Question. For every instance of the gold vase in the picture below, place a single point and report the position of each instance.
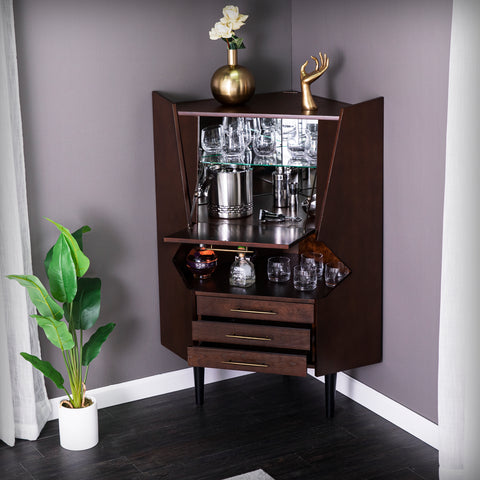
(232, 84)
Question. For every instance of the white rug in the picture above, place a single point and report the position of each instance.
(256, 475)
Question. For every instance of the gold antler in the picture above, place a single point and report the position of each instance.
(308, 78)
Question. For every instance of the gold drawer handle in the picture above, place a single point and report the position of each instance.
(243, 364)
(244, 337)
(252, 311)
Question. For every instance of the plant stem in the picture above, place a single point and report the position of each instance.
(73, 362)
(85, 377)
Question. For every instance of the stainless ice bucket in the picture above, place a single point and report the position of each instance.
(230, 192)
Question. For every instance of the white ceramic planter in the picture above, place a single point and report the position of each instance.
(78, 427)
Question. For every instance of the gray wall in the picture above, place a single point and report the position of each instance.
(87, 70)
(399, 50)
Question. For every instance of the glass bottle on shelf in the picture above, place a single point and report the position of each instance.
(201, 261)
(242, 272)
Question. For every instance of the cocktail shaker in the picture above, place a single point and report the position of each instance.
(280, 181)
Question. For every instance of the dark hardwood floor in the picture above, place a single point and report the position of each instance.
(256, 421)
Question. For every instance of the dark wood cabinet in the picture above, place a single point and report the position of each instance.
(270, 327)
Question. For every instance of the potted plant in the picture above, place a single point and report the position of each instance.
(71, 308)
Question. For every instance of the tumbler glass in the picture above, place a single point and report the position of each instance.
(212, 139)
(278, 269)
(332, 273)
(317, 259)
(296, 145)
(264, 143)
(234, 147)
(304, 278)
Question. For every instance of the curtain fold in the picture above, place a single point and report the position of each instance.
(459, 346)
(24, 406)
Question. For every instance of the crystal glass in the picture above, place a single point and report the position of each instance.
(247, 157)
(311, 145)
(264, 143)
(242, 272)
(296, 145)
(247, 135)
(234, 144)
(332, 274)
(212, 139)
(307, 261)
(252, 126)
(317, 259)
(311, 127)
(268, 123)
(289, 129)
(233, 123)
(278, 269)
(304, 278)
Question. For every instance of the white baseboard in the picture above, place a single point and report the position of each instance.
(149, 387)
(378, 403)
(401, 416)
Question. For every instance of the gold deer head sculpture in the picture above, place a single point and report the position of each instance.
(307, 79)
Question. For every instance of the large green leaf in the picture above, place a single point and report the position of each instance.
(61, 272)
(44, 303)
(56, 331)
(86, 304)
(77, 235)
(92, 348)
(79, 258)
(46, 368)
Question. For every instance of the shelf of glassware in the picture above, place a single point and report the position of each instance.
(262, 142)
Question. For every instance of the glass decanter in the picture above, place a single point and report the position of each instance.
(201, 261)
(242, 272)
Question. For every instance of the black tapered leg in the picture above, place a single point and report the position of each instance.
(199, 376)
(330, 387)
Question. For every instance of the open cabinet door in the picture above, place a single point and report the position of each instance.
(173, 197)
(349, 330)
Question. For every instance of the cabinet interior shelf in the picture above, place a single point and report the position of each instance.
(247, 231)
(218, 283)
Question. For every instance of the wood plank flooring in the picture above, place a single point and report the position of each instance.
(256, 421)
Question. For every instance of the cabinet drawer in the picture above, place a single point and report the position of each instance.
(255, 335)
(281, 363)
(255, 309)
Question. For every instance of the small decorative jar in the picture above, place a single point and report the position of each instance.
(242, 272)
(202, 262)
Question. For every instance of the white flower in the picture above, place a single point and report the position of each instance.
(225, 28)
(233, 18)
(220, 30)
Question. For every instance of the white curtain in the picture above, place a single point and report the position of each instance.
(459, 351)
(24, 407)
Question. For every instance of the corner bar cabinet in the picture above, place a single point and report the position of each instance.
(271, 327)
